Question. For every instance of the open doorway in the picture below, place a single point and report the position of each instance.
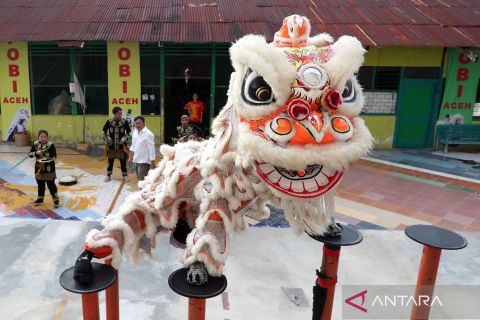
(177, 95)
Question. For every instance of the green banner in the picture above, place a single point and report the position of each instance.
(461, 84)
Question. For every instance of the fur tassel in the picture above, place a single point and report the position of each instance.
(320, 40)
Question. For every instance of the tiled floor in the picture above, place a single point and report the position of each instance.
(454, 163)
(372, 195)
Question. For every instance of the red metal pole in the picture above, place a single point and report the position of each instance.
(112, 299)
(90, 306)
(427, 275)
(196, 309)
(328, 278)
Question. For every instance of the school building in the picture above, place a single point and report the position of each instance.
(150, 56)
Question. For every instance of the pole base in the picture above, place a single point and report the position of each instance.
(349, 237)
(436, 237)
(178, 283)
(104, 276)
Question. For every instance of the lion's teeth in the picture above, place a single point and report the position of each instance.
(266, 168)
(274, 176)
(297, 186)
(321, 180)
(328, 171)
(285, 183)
(310, 185)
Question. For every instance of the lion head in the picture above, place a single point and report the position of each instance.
(296, 102)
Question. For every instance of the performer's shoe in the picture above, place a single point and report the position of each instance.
(197, 274)
(181, 231)
(83, 271)
(37, 202)
(56, 203)
(333, 228)
(108, 179)
(126, 179)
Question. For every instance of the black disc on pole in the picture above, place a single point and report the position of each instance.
(178, 283)
(436, 237)
(349, 237)
(103, 277)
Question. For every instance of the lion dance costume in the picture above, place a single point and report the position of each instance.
(286, 135)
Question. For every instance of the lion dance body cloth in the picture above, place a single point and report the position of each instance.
(286, 135)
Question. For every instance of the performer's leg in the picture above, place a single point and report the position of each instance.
(54, 192)
(109, 169)
(41, 192)
(123, 165)
(207, 243)
(142, 170)
(122, 233)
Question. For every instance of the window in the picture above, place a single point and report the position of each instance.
(421, 73)
(224, 70)
(220, 99)
(50, 78)
(380, 86)
(151, 100)
(365, 77)
(91, 70)
(222, 79)
(387, 78)
(52, 100)
(150, 69)
(96, 99)
(150, 79)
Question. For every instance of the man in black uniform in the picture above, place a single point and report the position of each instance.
(116, 132)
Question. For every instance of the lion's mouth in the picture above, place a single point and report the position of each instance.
(311, 182)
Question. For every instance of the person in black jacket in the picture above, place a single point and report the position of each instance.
(116, 132)
(45, 154)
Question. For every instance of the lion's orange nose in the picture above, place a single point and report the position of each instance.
(312, 131)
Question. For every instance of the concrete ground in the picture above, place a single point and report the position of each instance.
(261, 261)
(378, 196)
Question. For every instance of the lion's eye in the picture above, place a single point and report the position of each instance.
(256, 90)
(349, 94)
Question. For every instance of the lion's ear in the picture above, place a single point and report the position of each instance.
(346, 60)
(320, 40)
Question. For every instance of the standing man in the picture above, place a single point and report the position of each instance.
(142, 151)
(116, 132)
(195, 109)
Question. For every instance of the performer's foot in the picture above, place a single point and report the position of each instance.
(126, 179)
(333, 229)
(108, 179)
(181, 231)
(37, 202)
(56, 203)
(83, 271)
(197, 274)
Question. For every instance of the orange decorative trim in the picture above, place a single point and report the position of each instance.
(254, 124)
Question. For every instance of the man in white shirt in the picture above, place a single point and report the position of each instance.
(142, 151)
